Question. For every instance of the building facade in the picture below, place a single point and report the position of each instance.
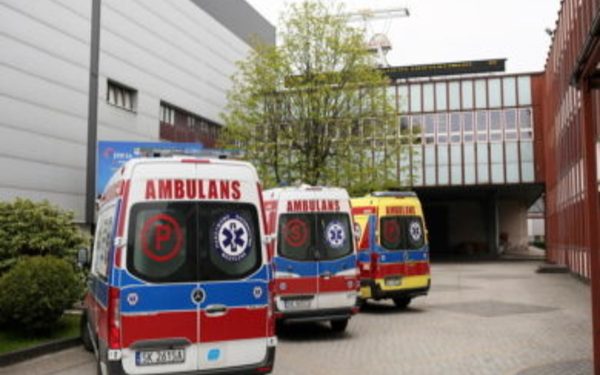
(572, 127)
(164, 72)
(476, 160)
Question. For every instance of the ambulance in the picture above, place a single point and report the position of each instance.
(316, 275)
(180, 274)
(393, 251)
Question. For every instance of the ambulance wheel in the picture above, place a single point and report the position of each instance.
(339, 325)
(86, 339)
(402, 302)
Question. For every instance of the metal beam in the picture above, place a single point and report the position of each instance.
(92, 133)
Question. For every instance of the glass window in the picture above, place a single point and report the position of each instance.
(429, 129)
(512, 162)
(428, 97)
(430, 175)
(404, 126)
(510, 119)
(482, 164)
(467, 94)
(301, 235)
(525, 118)
(456, 175)
(495, 120)
(443, 174)
(480, 94)
(527, 171)
(455, 122)
(454, 95)
(296, 236)
(468, 121)
(442, 154)
(494, 93)
(417, 165)
(429, 155)
(509, 91)
(526, 151)
(401, 232)
(403, 98)
(442, 128)
(440, 96)
(524, 89)
(415, 98)
(183, 241)
(391, 96)
(481, 126)
(469, 165)
(497, 153)
(497, 173)
(103, 242)
(335, 235)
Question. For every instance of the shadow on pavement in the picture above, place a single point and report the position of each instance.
(317, 331)
(386, 308)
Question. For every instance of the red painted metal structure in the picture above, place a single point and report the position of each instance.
(572, 122)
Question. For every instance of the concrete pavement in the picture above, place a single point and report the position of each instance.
(480, 318)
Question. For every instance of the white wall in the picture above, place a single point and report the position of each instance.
(168, 50)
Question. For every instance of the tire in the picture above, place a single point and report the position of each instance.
(86, 339)
(360, 303)
(339, 325)
(402, 302)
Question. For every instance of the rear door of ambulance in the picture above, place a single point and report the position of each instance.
(195, 274)
(296, 270)
(338, 275)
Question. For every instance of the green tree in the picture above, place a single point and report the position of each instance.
(315, 108)
(31, 229)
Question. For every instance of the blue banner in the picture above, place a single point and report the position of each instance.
(112, 155)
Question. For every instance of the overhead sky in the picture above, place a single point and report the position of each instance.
(455, 30)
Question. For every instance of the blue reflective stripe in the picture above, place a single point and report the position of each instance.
(99, 289)
(155, 298)
(338, 265)
(178, 297)
(303, 269)
(235, 294)
(364, 256)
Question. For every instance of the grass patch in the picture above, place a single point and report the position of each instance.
(12, 339)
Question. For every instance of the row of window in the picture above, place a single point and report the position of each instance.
(481, 93)
(125, 98)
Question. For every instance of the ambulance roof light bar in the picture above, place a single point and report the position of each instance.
(396, 194)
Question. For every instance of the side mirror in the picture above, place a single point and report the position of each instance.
(84, 257)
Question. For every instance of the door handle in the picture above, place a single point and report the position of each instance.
(216, 310)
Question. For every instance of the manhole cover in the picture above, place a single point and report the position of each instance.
(578, 367)
(490, 309)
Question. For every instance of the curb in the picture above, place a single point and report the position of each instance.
(38, 350)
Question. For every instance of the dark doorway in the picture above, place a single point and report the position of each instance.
(436, 217)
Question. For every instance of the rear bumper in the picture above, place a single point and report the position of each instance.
(317, 315)
(372, 289)
(264, 367)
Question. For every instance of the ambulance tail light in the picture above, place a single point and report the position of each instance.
(271, 310)
(114, 319)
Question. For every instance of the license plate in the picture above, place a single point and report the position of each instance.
(393, 281)
(297, 303)
(159, 357)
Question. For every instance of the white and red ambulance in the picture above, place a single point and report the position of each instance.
(180, 273)
(316, 275)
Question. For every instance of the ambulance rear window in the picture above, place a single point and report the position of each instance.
(186, 241)
(312, 236)
(401, 232)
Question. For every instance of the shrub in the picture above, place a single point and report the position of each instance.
(36, 291)
(37, 228)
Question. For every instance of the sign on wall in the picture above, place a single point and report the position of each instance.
(112, 155)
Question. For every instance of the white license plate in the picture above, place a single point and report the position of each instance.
(159, 357)
(297, 303)
(393, 281)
